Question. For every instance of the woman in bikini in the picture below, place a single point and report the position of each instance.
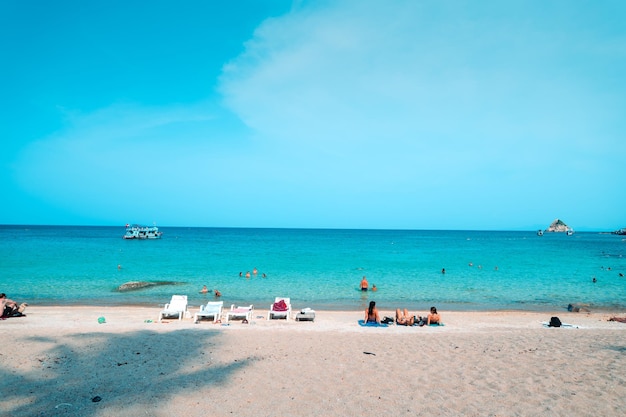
(433, 317)
(371, 313)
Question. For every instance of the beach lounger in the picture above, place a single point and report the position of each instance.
(306, 314)
(242, 312)
(281, 308)
(176, 307)
(211, 309)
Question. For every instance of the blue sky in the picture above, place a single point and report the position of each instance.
(484, 115)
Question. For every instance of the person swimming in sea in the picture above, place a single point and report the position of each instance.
(204, 290)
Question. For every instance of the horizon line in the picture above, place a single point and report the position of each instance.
(534, 230)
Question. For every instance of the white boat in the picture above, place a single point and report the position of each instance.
(539, 232)
(569, 231)
(142, 232)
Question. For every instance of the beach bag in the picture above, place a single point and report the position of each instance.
(387, 320)
(554, 322)
(280, 306)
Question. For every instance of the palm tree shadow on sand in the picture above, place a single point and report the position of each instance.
(93, 372)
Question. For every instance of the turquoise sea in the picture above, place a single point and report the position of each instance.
(321, 269)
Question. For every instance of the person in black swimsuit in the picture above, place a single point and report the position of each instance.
(364, 284)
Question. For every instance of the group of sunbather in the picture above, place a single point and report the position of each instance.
(403, 318)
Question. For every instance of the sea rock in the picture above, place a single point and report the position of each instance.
(558, 226)
(135, 285)
(139, 285)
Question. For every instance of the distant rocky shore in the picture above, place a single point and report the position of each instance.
(558, 226)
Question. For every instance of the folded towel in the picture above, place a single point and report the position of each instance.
(307, 310)
(280, 306)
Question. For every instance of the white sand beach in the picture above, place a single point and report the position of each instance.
(57, 360)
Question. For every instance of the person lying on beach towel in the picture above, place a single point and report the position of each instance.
(403, 318)
(618, 319)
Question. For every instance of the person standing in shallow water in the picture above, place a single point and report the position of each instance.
(364, 284)
(371, 313)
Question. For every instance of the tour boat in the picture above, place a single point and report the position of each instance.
(142, 232)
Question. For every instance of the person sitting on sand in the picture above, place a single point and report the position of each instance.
(433, 317)
(403, 318)
(371, 314)
(204, 290)
(364, 284)
(9, 308)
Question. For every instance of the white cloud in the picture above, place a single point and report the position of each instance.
(370, 72)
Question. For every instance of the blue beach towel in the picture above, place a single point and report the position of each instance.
(362, 323)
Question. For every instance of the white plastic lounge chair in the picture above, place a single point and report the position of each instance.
(306, 314)
(211, 309)
(243, 312)
(277, 312)
(176, 307)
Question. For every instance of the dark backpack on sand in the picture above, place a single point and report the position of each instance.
(554, 322)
